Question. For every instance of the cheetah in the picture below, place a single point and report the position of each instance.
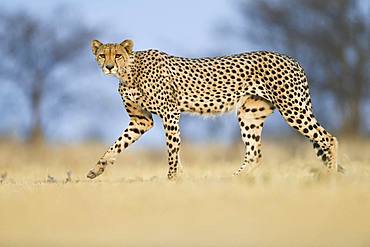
(254, 84)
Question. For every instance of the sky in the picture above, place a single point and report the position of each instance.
(182, 28)
(179, 27)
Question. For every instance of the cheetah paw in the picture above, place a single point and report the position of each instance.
(94, 173)
(91, 174)
(235, 174)
(99, 169)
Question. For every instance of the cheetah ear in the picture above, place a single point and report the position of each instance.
(128, 45)
(95, 44)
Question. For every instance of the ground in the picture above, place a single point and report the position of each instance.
(289, 201)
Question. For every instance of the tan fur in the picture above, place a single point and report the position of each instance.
(153, 82)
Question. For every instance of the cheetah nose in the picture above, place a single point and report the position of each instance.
(109, 66)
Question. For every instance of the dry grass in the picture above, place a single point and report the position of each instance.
(289, 201)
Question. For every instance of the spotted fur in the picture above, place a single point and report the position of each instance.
(253, 84)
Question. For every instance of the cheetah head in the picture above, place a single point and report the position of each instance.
(112, 58)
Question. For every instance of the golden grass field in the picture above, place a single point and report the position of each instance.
(289, 201)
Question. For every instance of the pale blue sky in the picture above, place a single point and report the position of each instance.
(178, 27)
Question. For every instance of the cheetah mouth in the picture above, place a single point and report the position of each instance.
(110, 72)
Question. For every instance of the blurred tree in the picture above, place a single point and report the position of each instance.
(32, 50)
(331, 38)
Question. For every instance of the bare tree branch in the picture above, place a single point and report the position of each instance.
(33, 50)
(330, 37)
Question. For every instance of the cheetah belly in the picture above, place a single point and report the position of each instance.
(208, 97)
(210, 102)
(209, 86)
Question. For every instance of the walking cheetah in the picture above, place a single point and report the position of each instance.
(253, 84)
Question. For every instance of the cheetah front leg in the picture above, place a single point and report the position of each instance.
(172, 131)
(141, 121)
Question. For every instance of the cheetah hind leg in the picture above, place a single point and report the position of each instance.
(321, 153)
(324, 143)
(251, 116)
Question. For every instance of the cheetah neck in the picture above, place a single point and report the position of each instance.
(127, 74)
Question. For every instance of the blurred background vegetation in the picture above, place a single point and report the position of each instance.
(58, 114)
(52, 91)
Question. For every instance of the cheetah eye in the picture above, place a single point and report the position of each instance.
(102, 55)
(118, 55)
